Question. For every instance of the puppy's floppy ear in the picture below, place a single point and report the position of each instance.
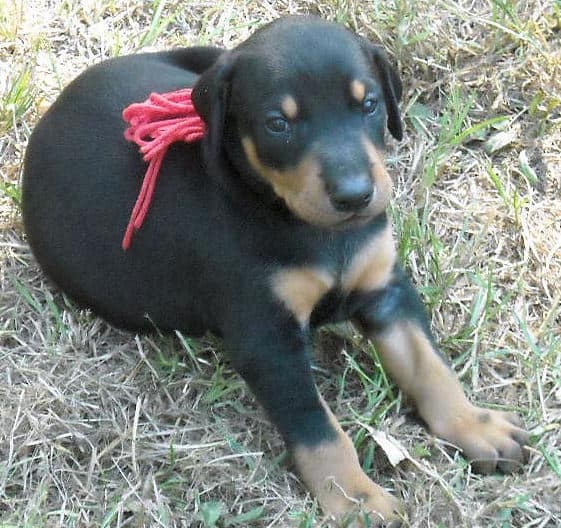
(210, 96)
(391, 86)
(196, 59)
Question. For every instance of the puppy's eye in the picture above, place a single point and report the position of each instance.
(369, 105)
(277, 125)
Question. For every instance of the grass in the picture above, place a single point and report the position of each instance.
(99, 428)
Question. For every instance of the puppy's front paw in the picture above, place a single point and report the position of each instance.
(333, 474)
(362, 504)
(489, 439)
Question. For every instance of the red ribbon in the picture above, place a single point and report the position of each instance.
(155, 124)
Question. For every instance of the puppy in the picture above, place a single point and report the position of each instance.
(269, 227)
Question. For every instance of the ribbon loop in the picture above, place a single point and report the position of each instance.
(155, 124)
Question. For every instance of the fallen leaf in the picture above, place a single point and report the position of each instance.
(393, 449)
(499, 141)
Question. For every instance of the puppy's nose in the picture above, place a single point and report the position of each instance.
(351, 193)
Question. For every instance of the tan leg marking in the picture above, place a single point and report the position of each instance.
(358, 90)
(489, 438)
(332, 473)
(289, 107)
(372, 266)
(300, 289)
(380, 177)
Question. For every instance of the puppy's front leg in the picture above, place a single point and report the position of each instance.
(273, 359)
(394, 318)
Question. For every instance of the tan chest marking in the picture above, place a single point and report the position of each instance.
(300, 289)
(372, 267)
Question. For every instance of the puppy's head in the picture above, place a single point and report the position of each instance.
(303, 105)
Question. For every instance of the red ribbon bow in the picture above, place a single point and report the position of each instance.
(155, 124)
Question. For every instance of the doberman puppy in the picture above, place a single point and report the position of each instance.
(269, 227)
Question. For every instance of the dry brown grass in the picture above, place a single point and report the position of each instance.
(98, 428)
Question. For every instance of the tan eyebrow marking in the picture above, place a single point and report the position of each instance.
(358, 90)
(289, 107)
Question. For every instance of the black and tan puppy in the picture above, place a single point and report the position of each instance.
(272, 225)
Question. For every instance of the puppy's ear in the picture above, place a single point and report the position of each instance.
(196, 59)
(210, 97)
(391, 86)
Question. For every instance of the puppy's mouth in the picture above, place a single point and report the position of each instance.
(356, 218)
(353, 220)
